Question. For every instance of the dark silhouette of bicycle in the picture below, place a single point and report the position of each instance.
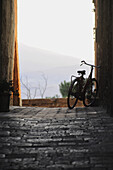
(83, 89)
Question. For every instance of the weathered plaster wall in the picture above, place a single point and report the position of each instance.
(7, 32)
(16, 73)
(9, 59)
(104, 55)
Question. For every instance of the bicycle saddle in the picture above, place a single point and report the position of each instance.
(83, 72)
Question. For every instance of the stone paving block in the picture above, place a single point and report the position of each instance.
(57, 138)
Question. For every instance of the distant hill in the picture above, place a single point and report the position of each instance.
(56, 67)
(41, 59)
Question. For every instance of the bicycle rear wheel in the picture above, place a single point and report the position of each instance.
(73, 94)
(90, 93)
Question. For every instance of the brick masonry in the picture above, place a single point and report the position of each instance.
(55, 102)
(35, 138)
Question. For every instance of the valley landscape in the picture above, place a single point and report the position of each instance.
(38, 66)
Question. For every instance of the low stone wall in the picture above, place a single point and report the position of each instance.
(59, 102)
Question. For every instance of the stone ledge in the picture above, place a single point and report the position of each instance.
(57, 102)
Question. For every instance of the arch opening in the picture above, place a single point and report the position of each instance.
(62, 30)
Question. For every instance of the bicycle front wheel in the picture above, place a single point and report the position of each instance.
(90, 93)
(73, 94)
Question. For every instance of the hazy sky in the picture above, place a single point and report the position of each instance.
(62, 26)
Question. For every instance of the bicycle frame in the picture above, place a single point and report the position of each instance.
(81, 79)
(80, 89)
(89, 78)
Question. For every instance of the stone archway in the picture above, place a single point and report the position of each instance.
(9, 61)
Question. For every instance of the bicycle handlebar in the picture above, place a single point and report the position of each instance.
(83, 62)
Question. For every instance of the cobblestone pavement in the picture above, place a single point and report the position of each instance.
(56, 139)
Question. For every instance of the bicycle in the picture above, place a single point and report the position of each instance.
(83, 89)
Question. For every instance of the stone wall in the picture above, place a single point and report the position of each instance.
(9, 59)
(16, 71)
(7, 33)
(59, 102)
(104, 55)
